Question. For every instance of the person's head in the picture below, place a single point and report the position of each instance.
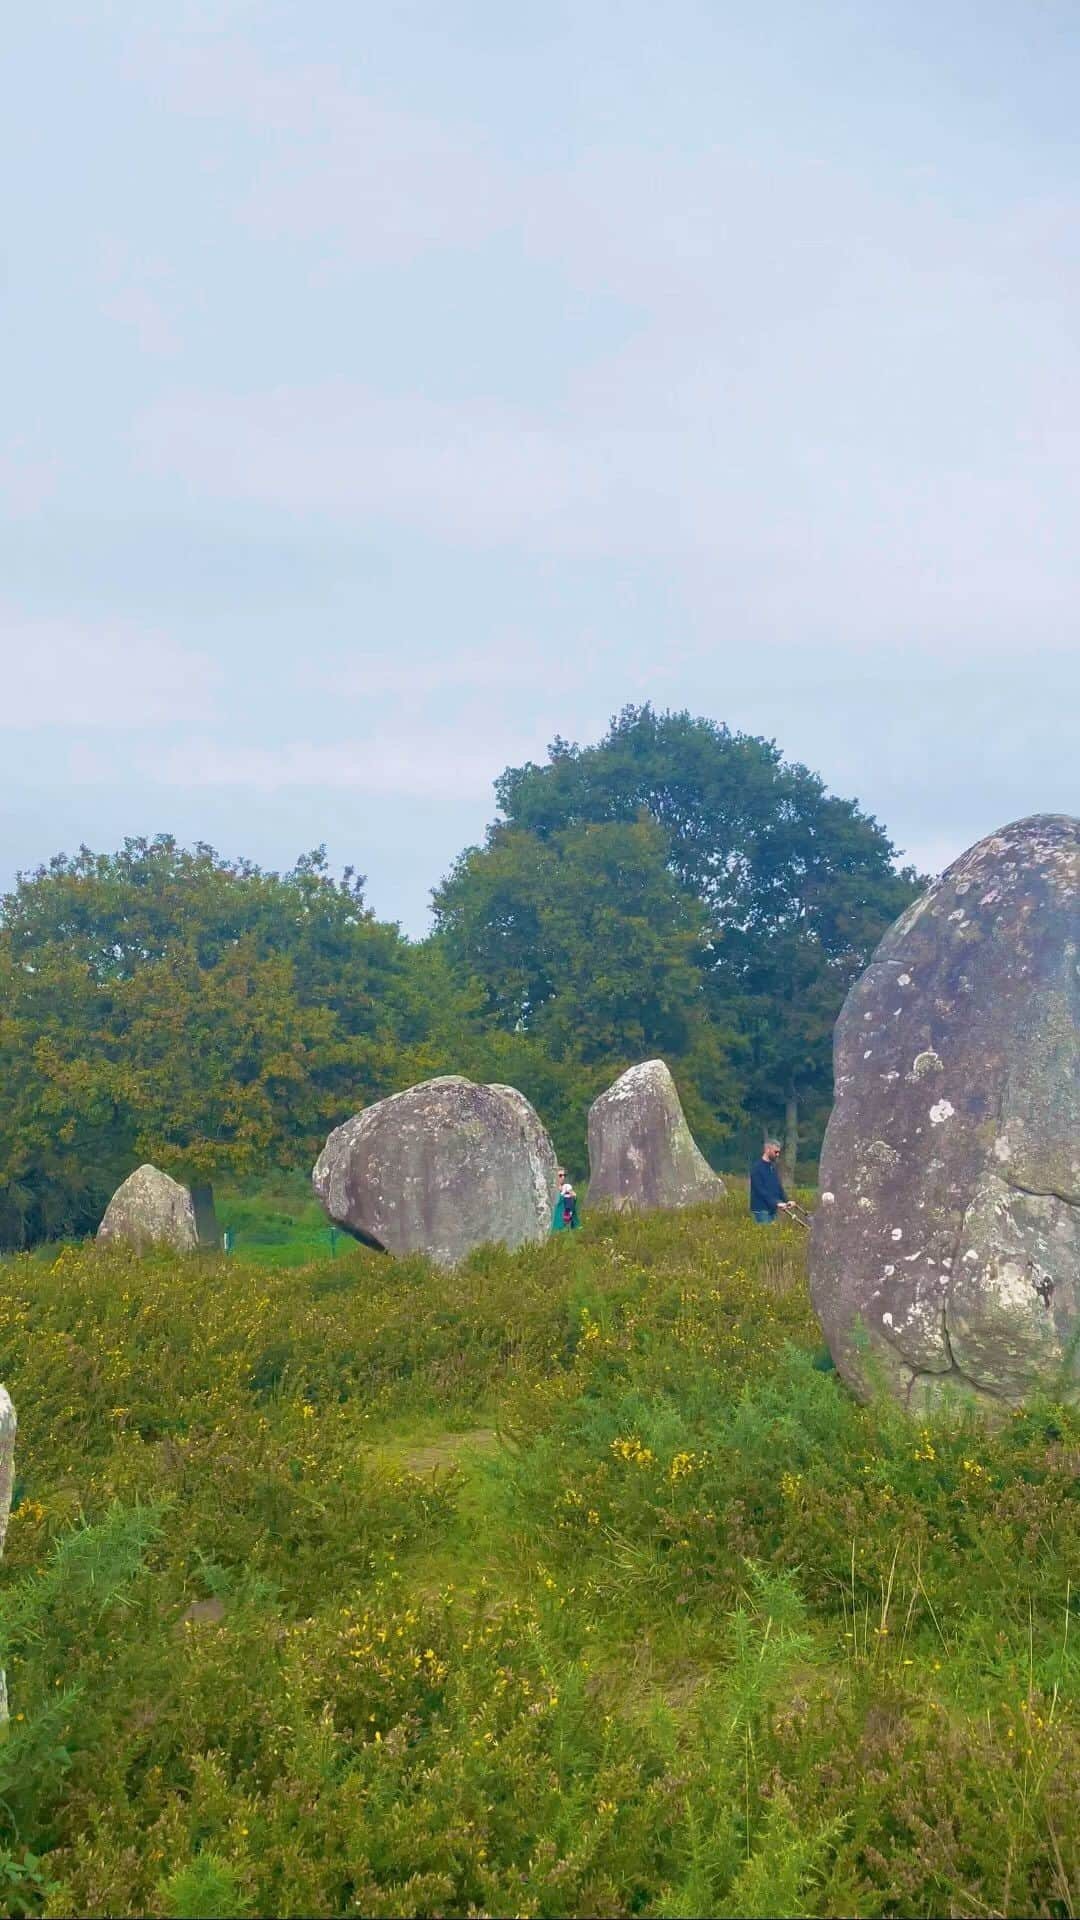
(567, 1190)
(772, 1150)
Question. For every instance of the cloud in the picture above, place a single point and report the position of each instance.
(29, 477)
(336, 163)
(501, 668)
(426, 766)
(812, 385)
(108, 676)
(478, 473)
(142, 316)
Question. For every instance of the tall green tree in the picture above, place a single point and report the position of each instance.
(583, 946)
(163, 1003)
(796, 885)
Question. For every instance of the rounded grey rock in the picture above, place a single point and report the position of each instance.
(7, 1480)
(945, 1254)
(440, 1169)
(150, 1209)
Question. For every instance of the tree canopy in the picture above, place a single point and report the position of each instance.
(793, 887)
(676, 889)
(167, 1004)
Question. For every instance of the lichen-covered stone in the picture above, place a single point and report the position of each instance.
(440, 1169)
(150, 1209)
(946, 1247)
(7, 1480)
(7, 1460)
(642, 1154)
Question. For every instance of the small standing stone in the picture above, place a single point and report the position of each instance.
(642, 1154)
(150, 1209)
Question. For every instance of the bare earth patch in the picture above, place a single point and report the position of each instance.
(445, 1450)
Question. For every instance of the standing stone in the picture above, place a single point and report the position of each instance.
(440, 1169)
(150, 1209)
(946, 1246)
(7, 1476)
(642, 1154)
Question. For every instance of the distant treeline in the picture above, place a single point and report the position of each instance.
(677, 889)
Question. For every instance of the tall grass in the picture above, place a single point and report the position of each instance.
(567, 1584)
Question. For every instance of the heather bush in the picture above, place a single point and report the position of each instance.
(573, 1582)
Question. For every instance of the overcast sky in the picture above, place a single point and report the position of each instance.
(389, 387)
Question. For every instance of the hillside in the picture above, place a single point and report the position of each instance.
(571, 1583)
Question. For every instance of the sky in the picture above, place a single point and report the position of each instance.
(388, 389)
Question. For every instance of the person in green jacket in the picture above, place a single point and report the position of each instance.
(564, 1219)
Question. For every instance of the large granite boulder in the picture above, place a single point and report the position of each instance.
(7, 1481)
(946, 1248)
(150, 1209)
(642, 1154)
(440, 1169)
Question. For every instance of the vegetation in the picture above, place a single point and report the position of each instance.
(677, 889)
(167, 1005)
(566, 1584)
(791, 888)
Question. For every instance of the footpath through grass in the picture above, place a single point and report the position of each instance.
(567, 1584)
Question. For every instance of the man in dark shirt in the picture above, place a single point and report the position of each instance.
(767, 1196)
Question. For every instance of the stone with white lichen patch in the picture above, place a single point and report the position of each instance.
(974, 1085)
(440, 1169)
(642, 1154)
(151, 1209)
(7, 1480)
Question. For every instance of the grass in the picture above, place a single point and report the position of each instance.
(566, 1584)
(279, 1225)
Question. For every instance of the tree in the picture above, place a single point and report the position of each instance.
(797, 886)
(57, 1127)
(166, 1004)
(583, 946)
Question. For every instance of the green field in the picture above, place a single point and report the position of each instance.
(281, 1225)
(572, 1583)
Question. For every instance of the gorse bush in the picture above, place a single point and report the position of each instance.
(569, 1583)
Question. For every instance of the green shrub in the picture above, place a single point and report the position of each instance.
(568, 1583)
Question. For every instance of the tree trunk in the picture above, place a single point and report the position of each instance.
(790, 1154)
